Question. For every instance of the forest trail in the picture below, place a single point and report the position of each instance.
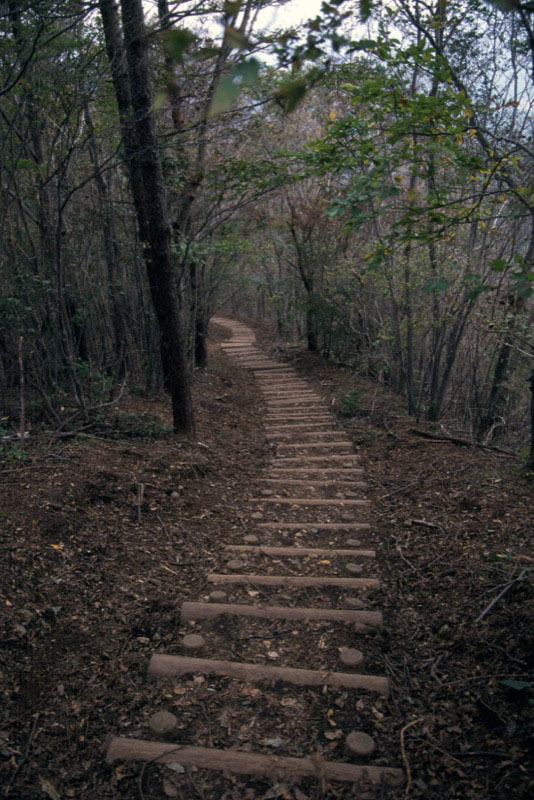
(294, 608)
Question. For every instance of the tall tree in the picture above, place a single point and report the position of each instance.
(127, 48)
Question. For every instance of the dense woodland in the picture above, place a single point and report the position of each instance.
(363, 183)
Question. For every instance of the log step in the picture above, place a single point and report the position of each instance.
(298, 582)
(163, 666)
(304, 434)
(309, 501)
(320, 470)
(328, 457)
(285, 768)
(297, 426)
(322, 552)
(195, 611)
(314, 445)
(286, 482)
(320, 526)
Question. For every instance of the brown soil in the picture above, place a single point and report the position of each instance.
(103, 539)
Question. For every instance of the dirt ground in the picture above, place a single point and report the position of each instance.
(105, 534)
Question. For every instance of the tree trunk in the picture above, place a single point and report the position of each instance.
(111, 251)
(148, 189)
(530, 463)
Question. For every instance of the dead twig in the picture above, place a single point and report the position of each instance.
(400, 489)
(404, 756)
(139, 501)
(508, 586)
(24, 755)
(446, 439)
(440, 749)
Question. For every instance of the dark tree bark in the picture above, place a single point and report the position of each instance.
(131, 78)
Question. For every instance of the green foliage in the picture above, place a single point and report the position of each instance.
(350, 403)
(137, 426)
(177, 42)
(11, 448)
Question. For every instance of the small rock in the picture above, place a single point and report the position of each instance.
(143, 640)
(350, 657)
(359, 743)
(256, 515)
(267, 492)
(354, 543)
(175, 495)
(361, 627)
(347, 517)
(193, 641)
(251, 539)
(162, 723)
(354, 569)
(218, 596)
(354, 602)
(235, 564)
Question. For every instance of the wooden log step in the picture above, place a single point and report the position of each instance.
(322, 417)
(324, 552)
(321, 470)
(297, 397)
(279, 368)
(281, 405)
(309, 501)
(287, 390)
(287, 482)
(280, 767)
(296, 581)
(320, 526)
(194, 611)
(314, 445)
(320, 432)
(328, 457)
(166, 666)
(297, 425)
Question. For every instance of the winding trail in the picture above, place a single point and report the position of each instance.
(304, 516)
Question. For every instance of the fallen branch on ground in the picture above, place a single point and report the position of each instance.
(520, 577)
(445, 438)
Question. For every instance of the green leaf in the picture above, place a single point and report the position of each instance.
(439, 285)
(290, 95)
(248, 71)
(177, 41)
(226, 93)
(234, 38)
(231, 8)
(245, 73)
(518, 686)
(160, 100)
(366, 7)
(498, 265)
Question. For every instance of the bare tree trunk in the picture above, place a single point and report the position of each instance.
(530, 463)
(148, 189)
(111, 251)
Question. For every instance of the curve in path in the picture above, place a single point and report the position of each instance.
(304, 517)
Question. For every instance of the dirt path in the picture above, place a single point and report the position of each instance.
(117, 536)
(304, 570)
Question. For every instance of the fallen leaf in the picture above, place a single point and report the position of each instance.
(169, 788)
(48, 789)
(175, 767)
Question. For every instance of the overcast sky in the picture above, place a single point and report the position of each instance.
(292, 13)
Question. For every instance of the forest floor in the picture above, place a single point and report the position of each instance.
(105, 534)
